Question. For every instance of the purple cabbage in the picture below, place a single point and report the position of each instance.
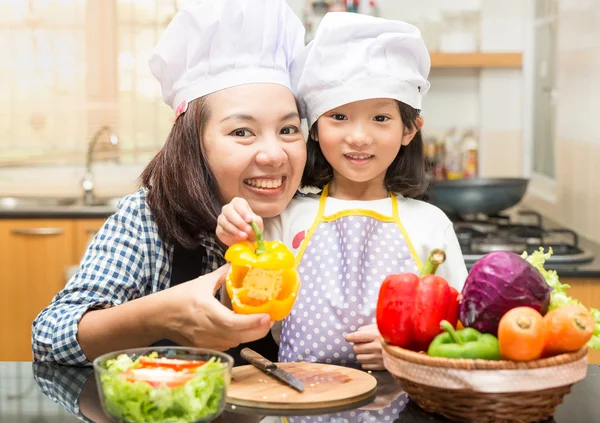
(498, 282)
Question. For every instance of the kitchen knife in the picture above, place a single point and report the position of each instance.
(271, 368)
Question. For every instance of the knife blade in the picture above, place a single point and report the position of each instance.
(271, 368)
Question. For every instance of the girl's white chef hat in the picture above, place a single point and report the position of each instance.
(357, 57)
(216, 44)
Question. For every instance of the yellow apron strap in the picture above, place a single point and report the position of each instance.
(316, 222)
(322, 202)
(396, 217)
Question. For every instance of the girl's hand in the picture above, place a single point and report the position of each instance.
(367, 347)
(233, 222)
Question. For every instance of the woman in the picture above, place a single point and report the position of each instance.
(223, 68)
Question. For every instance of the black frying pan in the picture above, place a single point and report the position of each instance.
(480, 195)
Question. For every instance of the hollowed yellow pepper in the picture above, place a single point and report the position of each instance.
(263, 278)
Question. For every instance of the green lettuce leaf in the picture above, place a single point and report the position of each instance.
(559, 295)
(199, 398)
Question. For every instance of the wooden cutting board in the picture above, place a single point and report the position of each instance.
(325, 386)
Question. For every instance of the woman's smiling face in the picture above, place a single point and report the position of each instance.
(254, 145)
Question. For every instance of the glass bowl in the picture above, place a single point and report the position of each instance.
(169, 387)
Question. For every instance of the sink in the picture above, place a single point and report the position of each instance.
(100, 202)
(21, 203)
(14, 203)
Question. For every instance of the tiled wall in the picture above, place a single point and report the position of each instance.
(578, 129)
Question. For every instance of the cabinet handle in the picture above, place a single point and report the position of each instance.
(92, 231)
(38, 231)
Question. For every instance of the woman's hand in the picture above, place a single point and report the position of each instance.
(196, 318)
(187, 314)
(367, 347)
(233, 222)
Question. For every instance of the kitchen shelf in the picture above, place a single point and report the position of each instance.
(476, 60)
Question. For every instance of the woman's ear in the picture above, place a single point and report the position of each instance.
(409, 134)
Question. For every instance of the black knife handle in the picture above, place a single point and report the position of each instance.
(257, 360)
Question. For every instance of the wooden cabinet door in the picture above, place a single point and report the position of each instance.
(85, 229)
(34, 254)
(586, 290)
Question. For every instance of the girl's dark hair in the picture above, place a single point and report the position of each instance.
(182, 191)
(406, 174)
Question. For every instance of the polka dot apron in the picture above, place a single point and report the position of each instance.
(342, 262)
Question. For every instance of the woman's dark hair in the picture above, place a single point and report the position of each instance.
(182, 191)
(406, 174)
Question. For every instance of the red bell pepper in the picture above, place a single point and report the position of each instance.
(410, 308)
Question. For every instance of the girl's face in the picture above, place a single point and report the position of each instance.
(360, 140)
(254, 145)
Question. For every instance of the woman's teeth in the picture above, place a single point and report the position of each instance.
(264, 183)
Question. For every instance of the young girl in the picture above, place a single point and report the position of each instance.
(360, 83)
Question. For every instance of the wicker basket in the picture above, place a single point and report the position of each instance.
(485, 391)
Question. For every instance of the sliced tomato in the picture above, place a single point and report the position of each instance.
(170, 363)
(158, 377)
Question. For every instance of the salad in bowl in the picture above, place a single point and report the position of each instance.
(163, 384)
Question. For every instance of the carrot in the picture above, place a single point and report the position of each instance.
(567, 328)
(521, 335)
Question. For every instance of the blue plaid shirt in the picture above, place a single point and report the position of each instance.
(127, 259)
(63, 384)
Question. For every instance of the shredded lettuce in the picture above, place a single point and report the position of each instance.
(200, 398)
(559, 295)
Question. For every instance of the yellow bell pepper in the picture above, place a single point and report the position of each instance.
(263, 278)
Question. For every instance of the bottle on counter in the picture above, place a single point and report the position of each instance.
(429, 150)
(454, 154)
(471, 154)
(439, 168)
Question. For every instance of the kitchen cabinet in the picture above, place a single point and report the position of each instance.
(85, 229)
(586, 290)
(35, 254)
(476, 60)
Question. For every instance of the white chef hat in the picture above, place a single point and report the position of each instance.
(357, 57)
(216, 44)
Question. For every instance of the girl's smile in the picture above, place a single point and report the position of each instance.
(358, 159)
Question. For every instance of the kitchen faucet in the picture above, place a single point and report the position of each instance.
(88, 179)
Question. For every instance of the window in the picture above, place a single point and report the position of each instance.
(72, 66)
(544, 90)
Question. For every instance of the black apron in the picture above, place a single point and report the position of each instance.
(185, 268)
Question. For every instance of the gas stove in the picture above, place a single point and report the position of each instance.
(479, 235)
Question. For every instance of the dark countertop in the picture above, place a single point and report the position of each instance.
(52, 394)
(588, 270)
(59, 212)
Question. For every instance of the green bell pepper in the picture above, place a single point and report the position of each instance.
(465, 343)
